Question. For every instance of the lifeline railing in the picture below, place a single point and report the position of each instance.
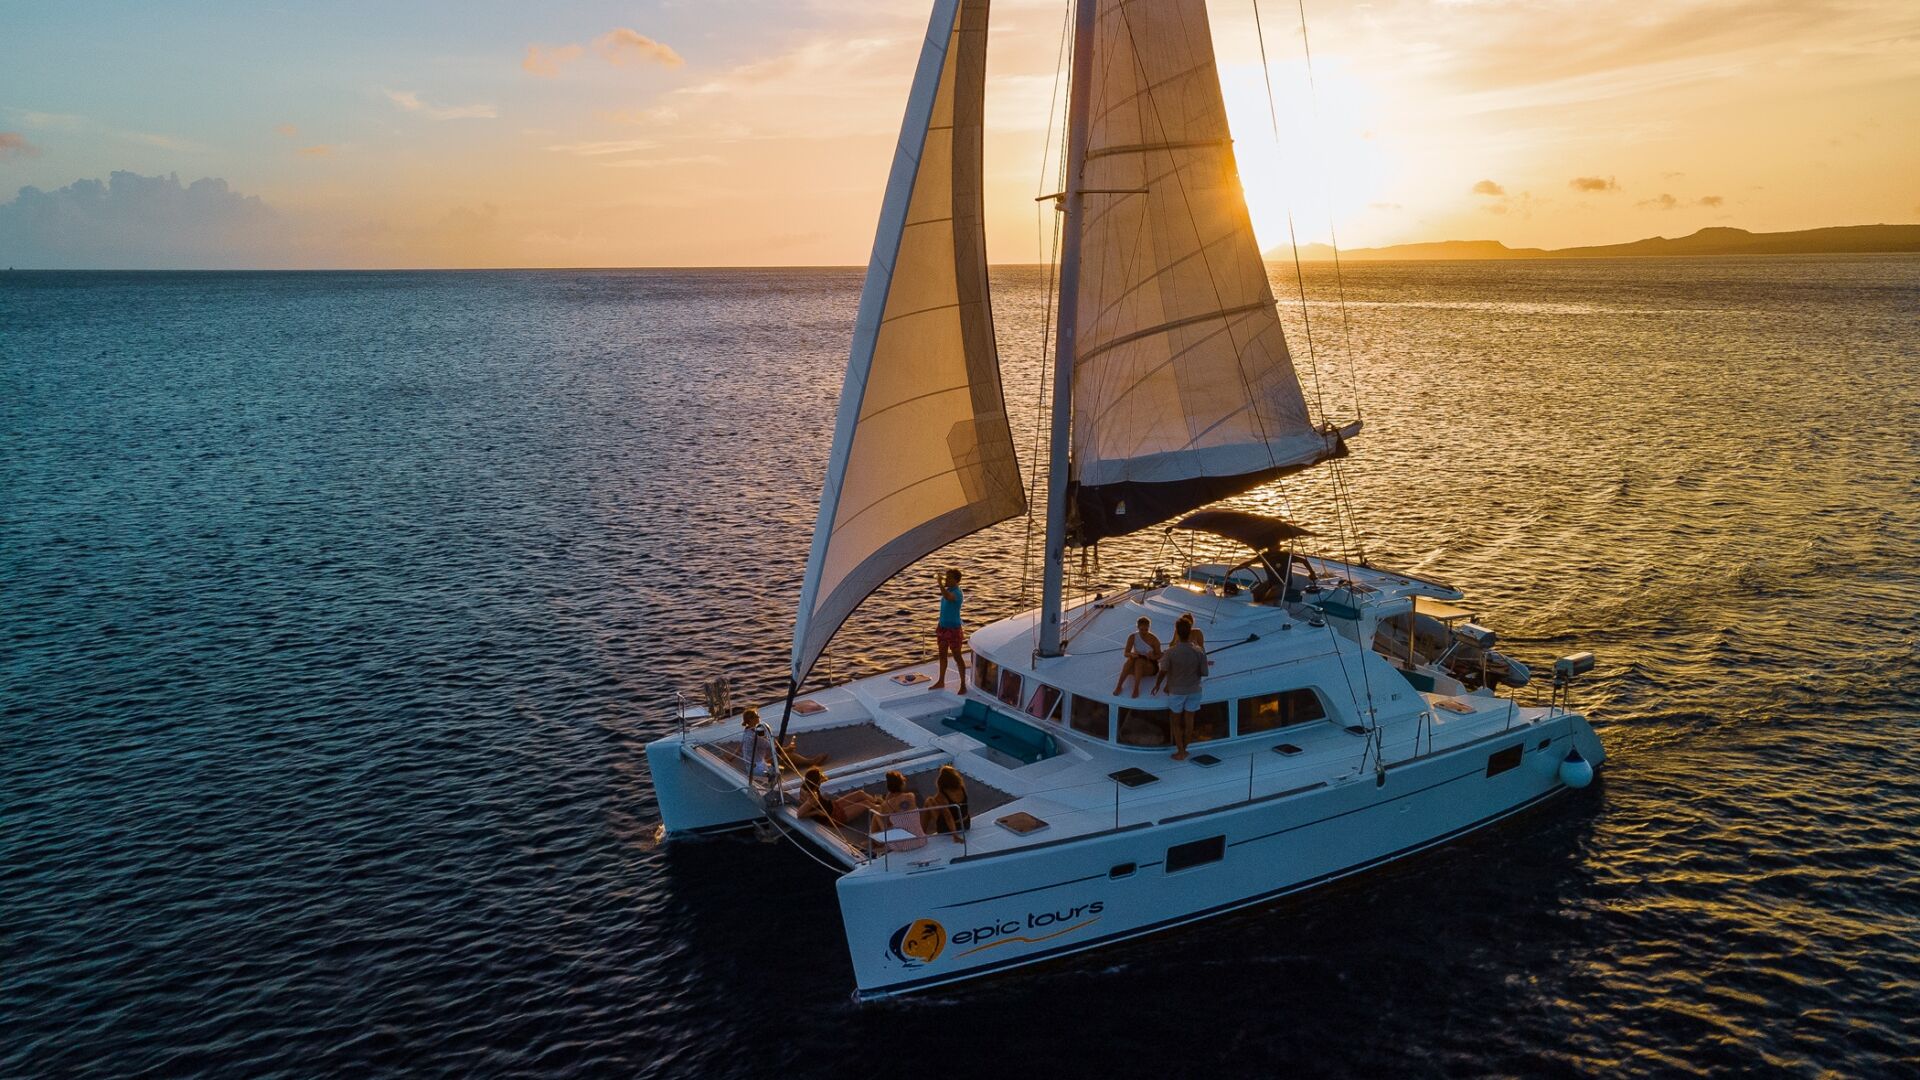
(1373, 751)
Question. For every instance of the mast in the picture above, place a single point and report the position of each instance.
(1079, 93)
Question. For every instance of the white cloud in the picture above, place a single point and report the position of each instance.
(411, 102)
(655, 163)
(603, 148)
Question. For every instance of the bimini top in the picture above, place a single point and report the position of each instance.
(1257, 531)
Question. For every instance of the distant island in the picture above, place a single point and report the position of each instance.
(1839, 240)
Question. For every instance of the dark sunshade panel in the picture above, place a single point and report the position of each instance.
(1257, 531)
(1122, 507)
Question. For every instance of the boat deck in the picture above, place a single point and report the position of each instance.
(892, 721)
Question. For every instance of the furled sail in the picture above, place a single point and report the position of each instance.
(1183, 390)
(922, 452)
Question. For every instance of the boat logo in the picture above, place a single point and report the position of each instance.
(919, 942)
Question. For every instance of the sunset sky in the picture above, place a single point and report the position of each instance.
(723, 132)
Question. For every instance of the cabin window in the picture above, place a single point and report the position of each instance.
(1010, 688)
(1210, 721)
(1285, 709)
(1502, 760)
(1144, 727)
(1196, 853)
(1090, 716)
(1045, 702)
(986, 673)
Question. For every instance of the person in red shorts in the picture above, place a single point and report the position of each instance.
(948, 633)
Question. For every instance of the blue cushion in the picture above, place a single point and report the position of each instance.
(974, 710)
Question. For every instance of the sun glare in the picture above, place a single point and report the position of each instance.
(1313, 154)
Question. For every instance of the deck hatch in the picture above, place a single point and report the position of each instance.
(1196, 853)
(1288, 749)
(1502, 760)
(1133, 777)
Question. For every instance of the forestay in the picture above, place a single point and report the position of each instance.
(922, 453)
(1183, 390)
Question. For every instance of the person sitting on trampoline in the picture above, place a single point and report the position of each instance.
(817, 805)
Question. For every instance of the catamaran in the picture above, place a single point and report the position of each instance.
(1351, 715)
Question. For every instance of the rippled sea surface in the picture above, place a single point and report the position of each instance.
(337, 609)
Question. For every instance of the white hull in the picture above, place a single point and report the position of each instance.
(1023, 906)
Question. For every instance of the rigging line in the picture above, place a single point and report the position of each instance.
(1186, 200)
(1052, 259)
(1293, 239)
(1342, 520)
(1035, 456)
(1346, 325)
(1059, 64)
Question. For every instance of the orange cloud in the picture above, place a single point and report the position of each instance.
(321, 150)
(286, 130)
(545, 63)
(622, 46)
(1593, 183)
(14, 144)
(1488, 187)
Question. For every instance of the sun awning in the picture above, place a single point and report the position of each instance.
(1439, 609)
(1257, 531)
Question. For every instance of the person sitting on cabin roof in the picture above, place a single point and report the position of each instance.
(946, 810)
(1142, 656)
(817, 805)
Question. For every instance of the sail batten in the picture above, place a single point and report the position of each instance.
(922, 452)
(1183, 390)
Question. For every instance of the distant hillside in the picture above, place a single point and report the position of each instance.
(1839, 240)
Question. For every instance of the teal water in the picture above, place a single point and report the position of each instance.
(339, 606)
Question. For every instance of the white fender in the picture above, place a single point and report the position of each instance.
(1575, 772)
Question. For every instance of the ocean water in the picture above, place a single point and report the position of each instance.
(338, 607)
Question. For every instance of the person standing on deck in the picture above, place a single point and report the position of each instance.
(1185, 666)
(948, 633)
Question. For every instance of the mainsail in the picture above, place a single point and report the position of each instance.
(1182, 391)
(922, 452)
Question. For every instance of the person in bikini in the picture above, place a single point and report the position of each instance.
(1142, 657)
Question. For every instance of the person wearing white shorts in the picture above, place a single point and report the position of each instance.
(1185, 666)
